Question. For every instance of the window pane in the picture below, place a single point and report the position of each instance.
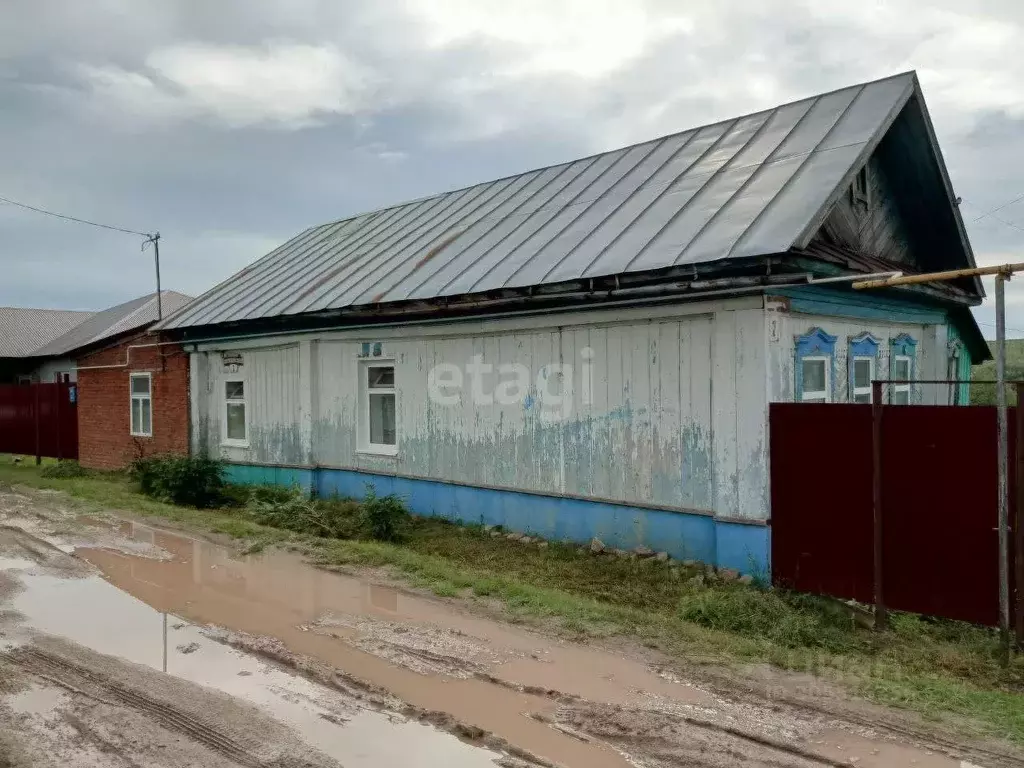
(140, 385)
(820, 399)
(382, 419)
(236, 421)
(901, 370)
(381, 377)
(861, 373)
(814, 375)
(234, 390)
(136, 415)
(147, 416)
(901, 397)
(863, 398)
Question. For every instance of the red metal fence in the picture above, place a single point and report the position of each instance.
(39, 419)
(940, 550)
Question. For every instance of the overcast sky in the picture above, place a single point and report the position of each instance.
(229, 126)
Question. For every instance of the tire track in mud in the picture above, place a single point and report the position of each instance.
(735, 740)
(57, 670)
(928, 738)
(375, 696)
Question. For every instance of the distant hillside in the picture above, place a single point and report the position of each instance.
(985, 394)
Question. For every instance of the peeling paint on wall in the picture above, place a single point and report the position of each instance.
(633, 420)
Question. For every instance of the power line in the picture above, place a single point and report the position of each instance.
(1000, 207)
(991, 214)
(74, 218)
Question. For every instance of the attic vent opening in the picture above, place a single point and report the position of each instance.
(860, 191)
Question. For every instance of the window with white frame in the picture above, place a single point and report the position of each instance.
(863, 363)
(236, 413)
(815, 353)
(815, 379)
(900, 372)
(862, 376)
(141, 394)
(378, 417)
(902, 352)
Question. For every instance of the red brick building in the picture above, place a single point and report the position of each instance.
(138, 406)
(132, 398)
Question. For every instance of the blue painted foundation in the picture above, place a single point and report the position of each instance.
(684, 536)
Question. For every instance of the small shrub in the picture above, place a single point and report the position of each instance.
(383, 516)
(64, 469)
(292, 509)
(194, 481)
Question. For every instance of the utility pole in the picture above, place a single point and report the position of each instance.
(155, 240)
(1004, 495)
(1002, 273)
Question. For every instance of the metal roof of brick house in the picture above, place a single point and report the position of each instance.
(751, 186)
(23, 330)
(111, 322)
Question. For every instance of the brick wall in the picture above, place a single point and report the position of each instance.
(104, 404)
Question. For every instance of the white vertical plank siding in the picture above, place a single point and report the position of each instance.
(675, 414)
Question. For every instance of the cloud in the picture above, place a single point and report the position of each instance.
(156, 116)
(588, 39)
(286, 84)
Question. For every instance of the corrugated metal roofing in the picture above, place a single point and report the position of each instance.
(113, 321)
(22, 331)
(745, 187)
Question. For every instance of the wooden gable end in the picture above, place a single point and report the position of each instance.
(866, 218)
(898, 206)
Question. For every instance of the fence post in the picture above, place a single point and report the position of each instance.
(1018, 523)
(36, 418)
(881, 614)
(56, 418)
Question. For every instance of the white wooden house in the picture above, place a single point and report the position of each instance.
(590, 349)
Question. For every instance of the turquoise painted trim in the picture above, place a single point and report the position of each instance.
(969, 332)
(904, 345)
(684, 536)
(864, 345)
(815, 343)
(956, 348)
(252, 474)
(817, 300)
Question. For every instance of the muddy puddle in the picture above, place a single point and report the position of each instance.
(363, 629)
(102, 618)
(180, 603)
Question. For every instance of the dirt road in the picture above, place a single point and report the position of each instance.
(122, 644)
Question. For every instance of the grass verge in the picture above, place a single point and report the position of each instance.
(938, 668)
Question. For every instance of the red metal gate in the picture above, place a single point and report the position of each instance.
(39, 419)
(940, 550)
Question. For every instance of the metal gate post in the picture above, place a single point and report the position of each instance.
(881, 614)
(1018, 523)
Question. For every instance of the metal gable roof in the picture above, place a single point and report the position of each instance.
(111, 322)
(22, 331)
(751, 186)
